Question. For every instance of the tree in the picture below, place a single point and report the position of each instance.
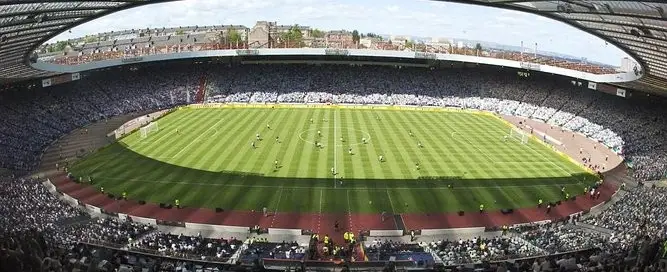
(57, 47)
(355, 36)
(293, 36)
(90, 39)
(234, 36)
(316, 33)
(221, 37)
(478, 47)
(409, 44)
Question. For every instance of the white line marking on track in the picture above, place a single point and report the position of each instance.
(349, 210)
(319, 216)
(321, 196)
(275, 212)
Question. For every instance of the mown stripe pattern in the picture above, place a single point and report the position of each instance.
(203, 157)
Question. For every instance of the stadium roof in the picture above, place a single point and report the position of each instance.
(637, 27)
(26, 24)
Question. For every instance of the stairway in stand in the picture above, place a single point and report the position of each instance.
(201, 91)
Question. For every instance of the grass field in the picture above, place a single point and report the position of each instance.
(204, 158)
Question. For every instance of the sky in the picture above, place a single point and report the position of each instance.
(421, 18)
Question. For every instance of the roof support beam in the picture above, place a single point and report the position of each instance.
(628, 24)
(46, 19)
(616, 14)
(48, 24)
(43, 11)
(658, 42)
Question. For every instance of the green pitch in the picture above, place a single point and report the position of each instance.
(205, 158)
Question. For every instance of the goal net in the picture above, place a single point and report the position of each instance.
(519, 134)
(147, 129)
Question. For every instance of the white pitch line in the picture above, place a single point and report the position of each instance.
(468, 141)
(145, 141)
(349, 209)
(541, 154)
(96, 167)
(196, 139)
(280, 195)
(319, 216)
(331, 188)
(335, 149)
(393, 211)
(275, 212)
(321, 196)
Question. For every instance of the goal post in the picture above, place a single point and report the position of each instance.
(518, 134)
(148, 129)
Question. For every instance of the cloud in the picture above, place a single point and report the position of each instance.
(393, 17)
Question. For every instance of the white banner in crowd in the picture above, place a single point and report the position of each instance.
(592, 85)
(46, 82)
(76, 76)
(620, 92)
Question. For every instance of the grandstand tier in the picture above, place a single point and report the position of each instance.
(100, 103)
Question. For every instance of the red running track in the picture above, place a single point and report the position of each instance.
(324, 223)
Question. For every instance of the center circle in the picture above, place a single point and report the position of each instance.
(301, 134)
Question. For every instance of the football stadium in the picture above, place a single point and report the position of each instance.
(148, 136)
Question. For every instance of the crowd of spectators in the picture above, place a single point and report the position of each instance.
(641, 212)
(635, 224)
(257, 249)
(197, 247)
(33, 118)
(558, 238)
(386, 250)
(634, 128)
(25, 204)
(483, 250)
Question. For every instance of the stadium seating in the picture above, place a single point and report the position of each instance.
(33, 118)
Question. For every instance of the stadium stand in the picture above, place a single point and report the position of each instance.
(38, 231)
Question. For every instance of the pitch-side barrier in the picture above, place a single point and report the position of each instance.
(217, 228)
(386, 233)
(279, 231)
(144, 220)
(452, 231)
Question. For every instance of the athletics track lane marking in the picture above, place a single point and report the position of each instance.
(275, 212)
(349, 210)
(319, 216)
